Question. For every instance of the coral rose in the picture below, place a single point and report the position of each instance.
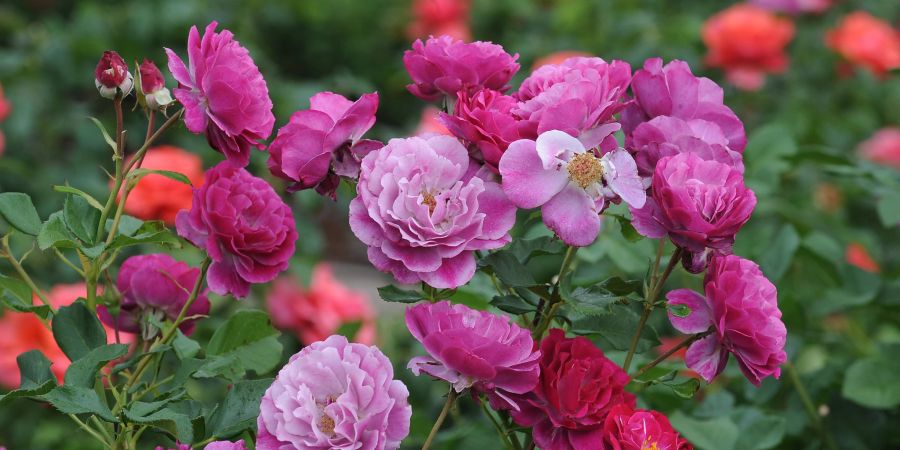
(866, 41)
(747, 42)
(156, 197)
(626, 428)
(335, 395)
(883, 147)
(857, 255)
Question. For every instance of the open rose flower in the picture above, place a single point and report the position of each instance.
(747, 42)
(578, 388)
(578, 96)
(668, 136)
(223, 94)
(866, 41)
(570, 183)
(883, 147)
(157, 197)
(474, 349)
(334, 395)
(112, 76)
(154, 285)
(484, 120)
(442, 66)
(672, 90)
(323, 143)
(423, 210)
(244, 227)
(215, 445)
(313, 313)
(699, 204)
(626, 428)
(741, 309)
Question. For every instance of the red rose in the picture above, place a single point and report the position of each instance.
(578, 387)
(629, 429)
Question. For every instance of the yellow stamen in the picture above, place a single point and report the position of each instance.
(585, 169)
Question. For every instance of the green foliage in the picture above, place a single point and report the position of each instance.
(245, 342)
(18, 211)
(77, 330)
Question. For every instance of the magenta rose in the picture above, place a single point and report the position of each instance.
(223, 94)
(154, 285)
(215, 445)
(665, 136)
(626, 428)
(323, 143)
(576, 96)
(672, 90)
(112, 76)
(577, 389)
(571, 184)
(741, 309)
(474, 349)
(699, 204)
(485, 122)
(334, 395)
(443, 66)
(244, 227)
(423, 210)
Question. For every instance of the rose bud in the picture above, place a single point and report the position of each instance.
(153, 86)
(112, 75)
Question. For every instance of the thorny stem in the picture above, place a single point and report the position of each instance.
(686, 342)
(451, 397)
(555, 299)
(810, 408)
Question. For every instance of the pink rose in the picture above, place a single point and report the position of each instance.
(223, 94)
(665, 136)
(244, 227)
(626, 428)
(484, 120)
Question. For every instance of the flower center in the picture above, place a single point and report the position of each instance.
(585, 169)
(326, 422)
(649, 445)
(428, 199)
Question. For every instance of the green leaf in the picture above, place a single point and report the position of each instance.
(248, 338)
(391, 293)
(592, 301)
(512, 304)
(617, 329)
(627, 229)
(83, 371)
(17, 296)
(81, 219)
(77, 330)
(35, 374)
(525, 249)
(679, 310)
(79, 400)
(715, 434)
(87, 197)
(137, 174)
(656, 375)
(758, 431)
(184, 346)
(889, 209)
(349, 329)
(18, 211)
(239, 410)
(619, 286)
(106, 137)
(766, 157)
(685, 389)
(148, 233)
(129, 226)
(54, 233)
(872, 382)
(508, 269)
(177, 424)
(777, 259)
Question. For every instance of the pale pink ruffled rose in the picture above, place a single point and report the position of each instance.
(578, 96)
(570, 183)
(442, 66)
(741, 309)
(485, 122)
(243, 225)
(883, 147)
(313, 313)
(324, 143)
(422, 209)
(665, 136)
(474, 349)
(223, 94)
(335, 395)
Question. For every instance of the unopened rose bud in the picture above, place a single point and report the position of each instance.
(112, 75)
(153, 86)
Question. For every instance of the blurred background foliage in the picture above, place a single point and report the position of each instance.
(816, 196)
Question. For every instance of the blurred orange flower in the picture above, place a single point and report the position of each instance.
(858, 256)
(558, 57)
(429, 124)
(866, 41)
(747, 42)
(317, 312)
(159, 198)
(883, 147)
(440, 17)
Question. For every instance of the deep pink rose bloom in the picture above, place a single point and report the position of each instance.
(578, 387)
(474, 349)
(443, 66)
(626, 428)
(485, 122)
(883, 147)
(334, 395)
(323, 143)
(423, 210)
(223, 94)
(112, 76)
(243, 225)
(672, 90)
(570, 183)
(215, 445)
(741, 307)
(665, 136)
(794, 6)
(154, 285)
(315, 312)
(577, 96)
(699, 204)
